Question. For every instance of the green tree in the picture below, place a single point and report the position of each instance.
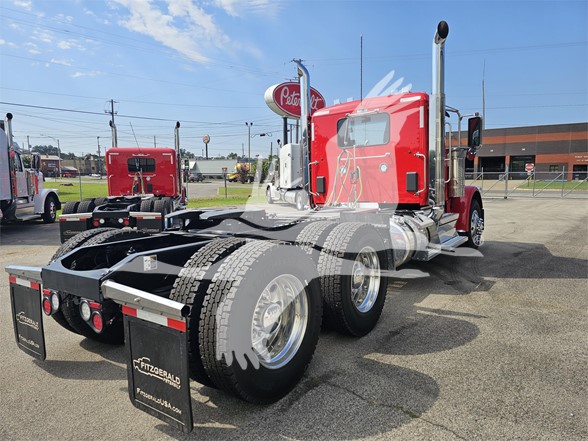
(232, 156)
(46, 150)
(186, 154)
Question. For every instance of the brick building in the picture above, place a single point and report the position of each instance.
(555, 148)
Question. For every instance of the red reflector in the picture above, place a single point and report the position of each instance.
(176, 324)
(95, 305)
(11, 279)
(129, 311)
(46, 292)
(126, 221)
(46, 306)
(97, 322)
(35, 285)
(96, 223)
(62, 219)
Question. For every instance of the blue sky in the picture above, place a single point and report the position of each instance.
(207, 63)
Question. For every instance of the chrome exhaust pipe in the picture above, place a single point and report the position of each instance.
(8, 129)
(304, 77)
(437, 116)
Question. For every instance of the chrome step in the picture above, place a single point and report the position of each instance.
(453, 243)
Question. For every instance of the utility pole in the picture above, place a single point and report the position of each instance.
(154, 141)
(242, 150)
(249, 125)
(99, 159)
(111, 112)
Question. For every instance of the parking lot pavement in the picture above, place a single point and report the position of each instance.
(490, 347)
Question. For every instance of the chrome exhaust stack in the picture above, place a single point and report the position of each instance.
(304, 77)
(179, 159)
(437, 116)
(8, 129)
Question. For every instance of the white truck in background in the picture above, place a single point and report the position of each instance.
(22, 193)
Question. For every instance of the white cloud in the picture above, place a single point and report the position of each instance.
(28, 5)
(66, 18)
(43, 36)
(61, 62)
(238, 7)
(183, 28)
(15, 26)
(71, 44)
(2, 41)
(32, 48)
(92, 73)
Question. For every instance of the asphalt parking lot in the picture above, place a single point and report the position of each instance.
(490, 347)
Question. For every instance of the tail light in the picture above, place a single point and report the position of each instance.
(97, 322)
(96, 223)
(50, 302)
(91, 312)
(46, 306)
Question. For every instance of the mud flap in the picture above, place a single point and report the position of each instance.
(25, 301)
(148, 222)
(72, 224)
(157, 354)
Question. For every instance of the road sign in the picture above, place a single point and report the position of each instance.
(529, 167)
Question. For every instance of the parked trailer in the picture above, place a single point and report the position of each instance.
(144, 185)
(23, 195)
(235, 299)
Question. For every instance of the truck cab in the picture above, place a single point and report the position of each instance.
(22, 192)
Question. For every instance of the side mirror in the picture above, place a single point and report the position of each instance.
(475, 132)
(36, 163)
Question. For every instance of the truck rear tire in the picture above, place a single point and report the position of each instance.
(50, 211)
(86, 206)
(112, 333)
(260, 321)
(312, 237)
(146, 206)
(351, 267)
(100, 201)
(70, 207)
(190, 288)
(71, 244)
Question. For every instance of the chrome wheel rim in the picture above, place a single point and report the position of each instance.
(279, 321)
(365, 279)
(476, 228)
(52, 209)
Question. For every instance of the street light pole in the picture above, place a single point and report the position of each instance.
(249, 125)
(99, 159)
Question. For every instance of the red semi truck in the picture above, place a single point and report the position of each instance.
(234, 299)
(144, 185)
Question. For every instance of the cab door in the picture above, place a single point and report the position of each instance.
(20, 177)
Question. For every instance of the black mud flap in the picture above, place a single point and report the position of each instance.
(25, 300)
(148, 222)
(72, 224)
(157, 354)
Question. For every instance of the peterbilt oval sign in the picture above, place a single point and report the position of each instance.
(284, 99)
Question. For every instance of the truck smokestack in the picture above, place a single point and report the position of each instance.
(304, 77)
(437, 115)
(8, 128)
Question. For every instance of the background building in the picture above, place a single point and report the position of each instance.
(556, 148)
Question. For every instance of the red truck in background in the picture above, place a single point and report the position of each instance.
(144, 185)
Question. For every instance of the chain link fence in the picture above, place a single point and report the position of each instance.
(528, 184)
